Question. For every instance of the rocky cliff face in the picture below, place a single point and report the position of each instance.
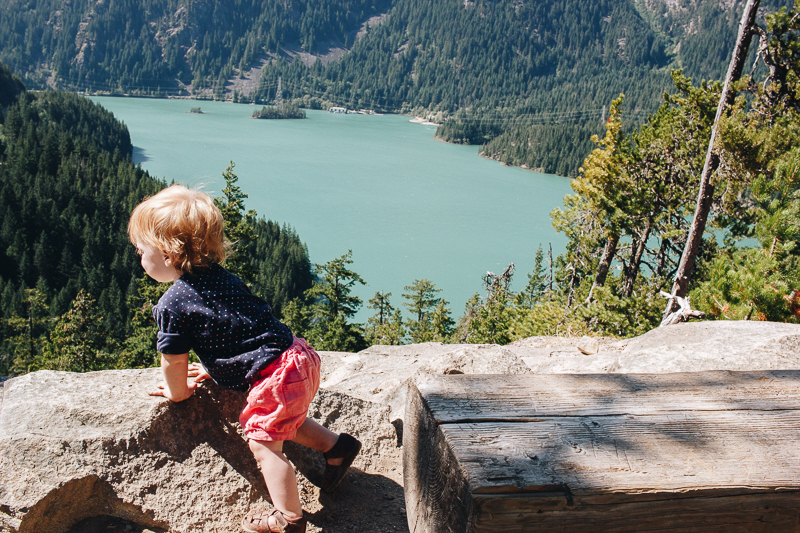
(77, 446)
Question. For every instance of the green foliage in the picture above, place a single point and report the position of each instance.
(430, 319)
(539, 282)
(491, 319)
(288, 110)
(79, 342)
(28, 331)
(761, 283)
(10, 87)
(386, 326)
(744, 284)
(325, 323)
(541, 65)
(281, 264)
(550, 148)
(152, 47)
(67, 185)
(239, 226)
(139, 346)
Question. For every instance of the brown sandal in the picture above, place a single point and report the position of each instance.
(256, 521)
(346, 447)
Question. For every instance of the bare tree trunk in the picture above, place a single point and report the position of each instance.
(609, 251)
(706, 193)
(638, 247)
(550, 277)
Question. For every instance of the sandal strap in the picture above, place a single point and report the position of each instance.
(344, 446)
(279, 519)
(260, 519)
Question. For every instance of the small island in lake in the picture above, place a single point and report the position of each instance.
(196, 110)
(284, 111)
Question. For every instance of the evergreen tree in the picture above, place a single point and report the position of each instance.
(492, 320)
(333, 305)
(422, 300)
(442, 323)
(28, 331)
(239, 226)
(79, 342)
(139, 347)
(386, 325)
(538, 281)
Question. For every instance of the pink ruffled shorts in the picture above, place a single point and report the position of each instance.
(278, 403)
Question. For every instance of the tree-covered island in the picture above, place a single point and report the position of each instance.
(288, 111)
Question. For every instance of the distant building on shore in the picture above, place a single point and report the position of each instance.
(342, 110)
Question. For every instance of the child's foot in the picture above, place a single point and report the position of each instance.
(343, 452)
(274, 521)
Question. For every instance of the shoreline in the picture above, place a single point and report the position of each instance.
(414, 120)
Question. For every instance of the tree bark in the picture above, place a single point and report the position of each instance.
(706, 193)
(609, 251)
(632, 270)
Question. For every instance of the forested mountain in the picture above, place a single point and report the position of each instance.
(509, 66)
(67, 188)
(10, 87)
(159, 46)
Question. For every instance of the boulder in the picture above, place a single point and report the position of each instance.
(713, 345)
(683, 347)
(75, 446)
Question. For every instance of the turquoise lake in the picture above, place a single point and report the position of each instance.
(407, 205)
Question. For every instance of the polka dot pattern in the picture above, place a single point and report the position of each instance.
(231, 330)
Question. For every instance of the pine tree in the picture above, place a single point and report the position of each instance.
(28, 331)
(386, 325)
(239, 226)
(79, 342)
(333, 306)
(422, 300)
(139, 347)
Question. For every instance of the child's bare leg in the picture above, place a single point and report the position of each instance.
(279, 476)
(317, 437)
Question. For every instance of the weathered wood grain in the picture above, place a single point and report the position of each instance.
(437, 496)
(465, 398)
(678, 452)
(753, 513)
(706, 451)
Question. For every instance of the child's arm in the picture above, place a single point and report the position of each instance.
(176, 386)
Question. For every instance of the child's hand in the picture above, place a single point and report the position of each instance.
(199, 373)
(164, 391)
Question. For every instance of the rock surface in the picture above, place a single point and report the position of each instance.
(75, 447)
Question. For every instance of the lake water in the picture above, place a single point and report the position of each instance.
(409, 206)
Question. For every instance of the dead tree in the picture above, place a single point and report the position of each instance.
(705, 195)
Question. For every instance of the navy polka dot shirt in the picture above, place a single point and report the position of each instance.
(231, 330)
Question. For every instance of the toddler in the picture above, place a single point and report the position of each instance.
(242, 346)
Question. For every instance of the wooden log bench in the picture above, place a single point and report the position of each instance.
(701, 451)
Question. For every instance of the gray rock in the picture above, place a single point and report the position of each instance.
(684, 347)
(713, 345)
(476, 359)
(73, 446)
(589, 345)
(557, 355)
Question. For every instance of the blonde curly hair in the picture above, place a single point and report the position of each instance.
(183, 223)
